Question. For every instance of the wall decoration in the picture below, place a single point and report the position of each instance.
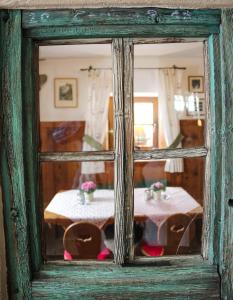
(195, 107)
(65, 92)
(196, 84)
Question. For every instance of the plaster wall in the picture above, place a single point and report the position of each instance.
(65, 68)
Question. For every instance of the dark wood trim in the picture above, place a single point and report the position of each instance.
(30, 137)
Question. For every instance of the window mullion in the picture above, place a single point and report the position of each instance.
(129, 147)
(123, 124)
(119, 185)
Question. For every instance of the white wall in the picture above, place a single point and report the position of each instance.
(144, 81)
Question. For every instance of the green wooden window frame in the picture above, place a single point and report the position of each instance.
(162, 278)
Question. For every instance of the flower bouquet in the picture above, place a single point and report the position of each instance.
(88, 188)
(157, 189)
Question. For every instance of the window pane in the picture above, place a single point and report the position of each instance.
(168, 207)
(171, 99)
(78, 192)
(75, 90)
(143, 113)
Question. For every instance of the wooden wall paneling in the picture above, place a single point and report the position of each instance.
(61, 136)
(12, 166)
(226, 233)
(193, 134)
(31, 136)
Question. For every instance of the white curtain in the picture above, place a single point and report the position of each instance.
(169, 84)
(99, 89)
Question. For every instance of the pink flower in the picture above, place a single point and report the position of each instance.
(88, 187)
(158, 186)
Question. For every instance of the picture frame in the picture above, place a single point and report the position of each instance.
(196, 84)
(65, 92)
(196, 108)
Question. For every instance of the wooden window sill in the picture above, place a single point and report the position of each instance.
(183, 277)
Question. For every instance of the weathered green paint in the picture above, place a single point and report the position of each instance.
(190, 279)
(226, 238)
(117, 31)
(30, 137)
(119, 16)
(174, 278)
(214, 50)
(12, 166)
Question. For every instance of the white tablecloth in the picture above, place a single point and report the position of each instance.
(101, 209)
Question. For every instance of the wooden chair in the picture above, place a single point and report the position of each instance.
(174, 229)
(81, 240)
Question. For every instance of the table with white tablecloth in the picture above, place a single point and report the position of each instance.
(65, 207)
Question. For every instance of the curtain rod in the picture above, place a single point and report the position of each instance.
(173, 67)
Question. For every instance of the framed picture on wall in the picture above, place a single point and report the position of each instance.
(196, 84)
(65, 92)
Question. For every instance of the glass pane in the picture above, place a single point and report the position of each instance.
(144, 135)
(169, 95)
(78, 192)
(143, 113)
(168, 207)
(76, 111)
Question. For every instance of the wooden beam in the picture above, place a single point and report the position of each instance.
(11, 155)
(119, 16)
(118, 31)
(226, 237)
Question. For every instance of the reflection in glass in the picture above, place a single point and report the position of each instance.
(164, 98)
(75, 98)
(169, 206)
(70, 194)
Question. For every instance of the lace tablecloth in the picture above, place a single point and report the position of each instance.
(68, 204)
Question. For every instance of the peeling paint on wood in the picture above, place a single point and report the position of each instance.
(186, 280)
(120, 16)
(117, 31)
(12, 167)
(226, 238)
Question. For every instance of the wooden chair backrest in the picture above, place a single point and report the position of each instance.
(175, 227)
(82, 240)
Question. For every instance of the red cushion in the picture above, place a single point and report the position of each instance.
(67, 255)
(149, 250)
(104, 254)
